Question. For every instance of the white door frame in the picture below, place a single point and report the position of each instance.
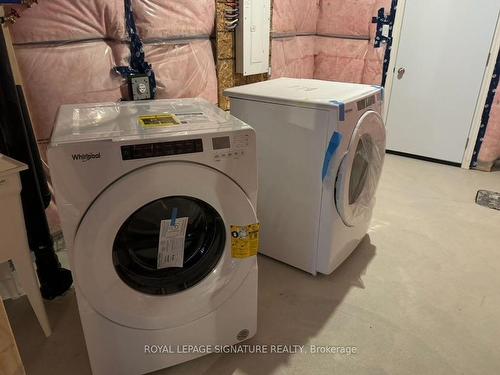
(483, 95)
(396, 35)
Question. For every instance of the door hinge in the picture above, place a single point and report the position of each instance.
(488, 61)
(467, 143)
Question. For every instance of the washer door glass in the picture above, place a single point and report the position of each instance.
(136, 247)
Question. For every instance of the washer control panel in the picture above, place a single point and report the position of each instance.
(227, 147)
(153, 150)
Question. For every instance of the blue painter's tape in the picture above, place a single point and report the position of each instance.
(330, 152)
(382, 91)
(174, 216)
(341, 107)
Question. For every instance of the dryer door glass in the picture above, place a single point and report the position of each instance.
(136, 247)
(360, 170)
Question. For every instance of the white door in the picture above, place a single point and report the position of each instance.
(440, 63)
(115, 256)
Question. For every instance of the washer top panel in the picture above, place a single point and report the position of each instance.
(139, 120)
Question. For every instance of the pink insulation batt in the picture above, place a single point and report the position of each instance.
(197, 78)
(346, 17)
(374, 64)
(293, 57)
(348, 57)
(184, 70)
(71, 20)
(341, 60)
(161, 18)
(60, 73)
(295, 16)
(65, 74)
(490, 149)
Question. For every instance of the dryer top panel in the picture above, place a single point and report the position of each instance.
(140, 120)
(309, 93)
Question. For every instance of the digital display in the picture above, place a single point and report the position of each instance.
(221, 143)
(152, 150)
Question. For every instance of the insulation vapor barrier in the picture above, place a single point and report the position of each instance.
(67, 52)
(329, 40)
(346, 18)
(196, 78)
(166, 19)
(59, 20)
(81, 72)
(293, 57)
(490, 149)
(340, 59)
(295, 16)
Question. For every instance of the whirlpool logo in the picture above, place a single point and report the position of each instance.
(86, 157)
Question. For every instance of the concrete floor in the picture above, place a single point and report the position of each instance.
(419, 296)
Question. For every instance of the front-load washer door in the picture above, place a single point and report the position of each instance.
(360, 170)
(133, 223)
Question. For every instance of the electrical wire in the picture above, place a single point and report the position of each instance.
(231, 15)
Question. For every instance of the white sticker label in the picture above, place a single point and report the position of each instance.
(385, 30)
(171, 243)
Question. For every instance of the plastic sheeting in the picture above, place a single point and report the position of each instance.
(331, 59)
(82, 73)
(161, 19)
(490, 149)
(295, 16)
(349, 18)
(184, 70)
(364, 178)
(293, 57)
(348, 57)
(374, 65)
(63, 74)
(58, 20)
(57, 72)
(341, 60)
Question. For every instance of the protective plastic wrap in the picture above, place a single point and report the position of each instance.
(184, 70)
(68, 73)
(366, 171)
(160, 18)
(58, 20)
(295, 16)
(347, 18)
(373, 69)
(341, 60)
(490, 149)
(293, 57)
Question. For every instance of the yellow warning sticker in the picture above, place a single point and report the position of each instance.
(158, 121)
(244, 240)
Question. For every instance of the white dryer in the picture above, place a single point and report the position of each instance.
(157, 201)
(321, 148)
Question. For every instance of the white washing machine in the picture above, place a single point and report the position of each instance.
(321, 148)
(157, 201)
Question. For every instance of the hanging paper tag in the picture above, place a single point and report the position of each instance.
(158, 121)
(171, 243)
(244, 240)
